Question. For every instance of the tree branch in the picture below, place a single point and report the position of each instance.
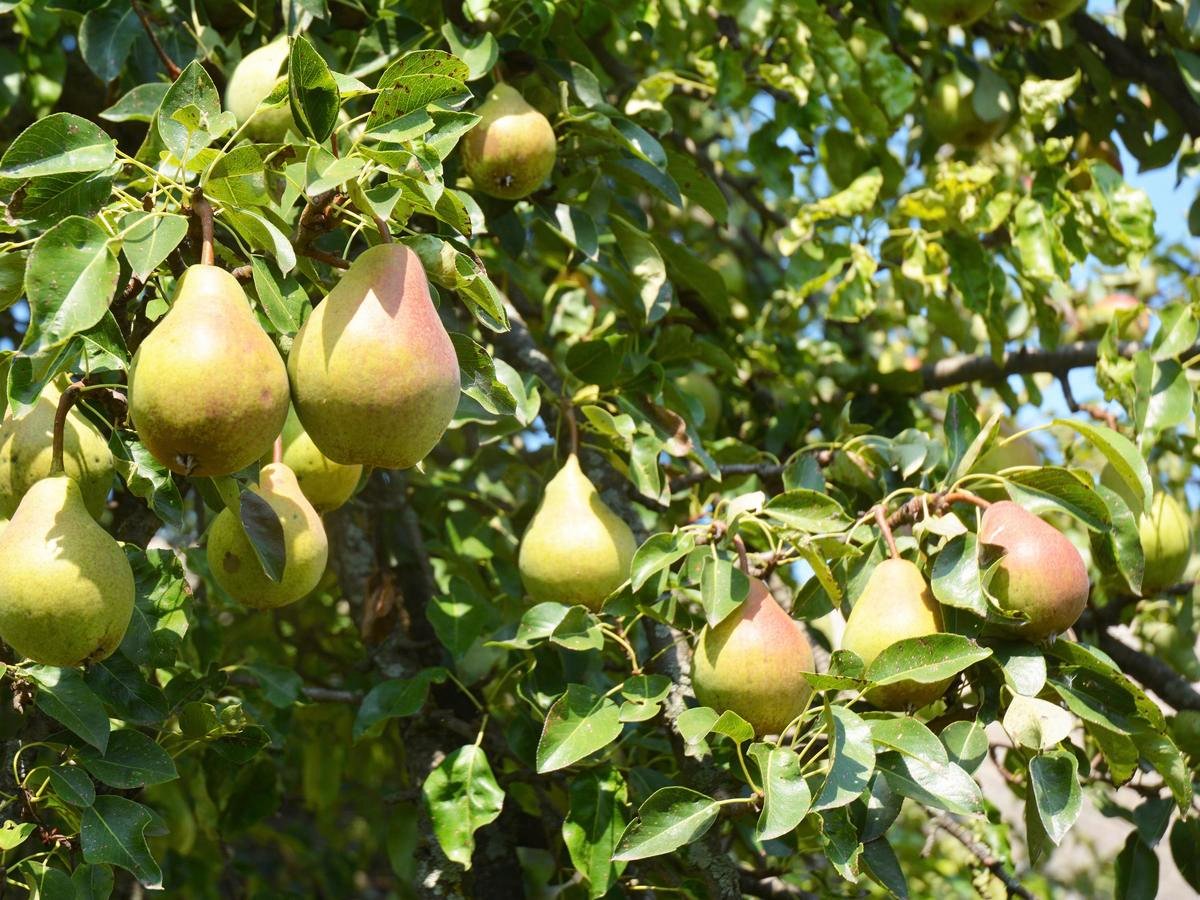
(1161, 74)
(981, 852)
(172, 69)
(1151, 672)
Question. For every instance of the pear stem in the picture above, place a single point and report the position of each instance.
(277, 450)
(743, 559)
(888, 537)
(65, 402)
(204, 212)
(385, 233)
(572, 426)
(966, 497)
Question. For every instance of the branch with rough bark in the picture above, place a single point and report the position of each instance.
(982, 852)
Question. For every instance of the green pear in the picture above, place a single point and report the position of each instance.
(1165, 532)
(1040, 574)
(511, 149)
(250, 84)
(1045, 10)
(326, 484)
(895, 604)
(951, 115)
(66, 588)
(374, 375)
(698, 385)
(1020, 451)
(953, 12)
(25, 450)
(208, 390)
(234, 564)
(575, 549)
(753, 663)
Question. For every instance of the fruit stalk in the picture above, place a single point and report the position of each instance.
(743, 560)
(204, 212)
(572, 426)
(889, 538)
(65, 402)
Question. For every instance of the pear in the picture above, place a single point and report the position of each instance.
(1045, 10)
(251, 82)
(234, 564)
(208, 391)
(66, 588)
(699, 386)
(326, 484)
(511, 149)
(25, 450)
(753, 663)
(1094, 319)
(1165, 532)
(1040, 575)
(895, 604)
(1021, 451)
(374, 375)
(954, 12)
(575, 549)
(951, 115)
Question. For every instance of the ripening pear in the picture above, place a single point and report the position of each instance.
(25, 449)
(511, 149)
(66, 588)
(374, 375)
(251, 82)
(698, 385)
(1045, 10)
(1094, 318)
(1041, 575)
(895, 604)
(1165, 532)
(236, 567)
(951, 115)
(326, 484)
(954, 12)
(754, 662)
(575, 549)
(208, 391)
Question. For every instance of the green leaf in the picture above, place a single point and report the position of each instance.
(462, 796)
(578, 724)
(72, 785)
(285, 311)
(1122, 455)
(396, 698)
(808, 511)
(723, 589)
(265, 530)
(312, 91)
(415, 80)
(671, 817)
(149, 239)
(139, 105)
(63, 696)
(593, 826)
(238, 178)
(1185, 838)
(945, 786)
(787, 797)
(966, 744)
(925, 660)
(880, 862)
(955, 576)
(280, 685)
(1037, 724)
(106, 36)
(70, 280)
(853, 758)
(13, 834)
(910, 737)
(113, 831)
(55, 145)
(46, 882)
(659, 552)
(478, 373)
(1137, 870)
(121, 685)
(131, 760)
(190, 116)
(1054, 778)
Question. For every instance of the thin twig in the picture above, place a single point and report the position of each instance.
(172, 69)
(982, 852)
(885, 529)
(328, 258)
(385, 233)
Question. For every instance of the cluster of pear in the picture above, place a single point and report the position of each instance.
(753, 662)
(208, 394)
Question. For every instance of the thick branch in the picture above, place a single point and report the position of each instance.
(981, 852)
(966, 368)
(1151, 673)
(1161, 74)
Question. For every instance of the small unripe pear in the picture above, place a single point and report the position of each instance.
(511, 149)
(1040, 574)
(25, 453)
(753, 663)
(895, 604)
(954, 12)
(66, 588)
(326, 484)
(575, 549)
(951, 115)
(236, 567)
(251, 82)
(1094, 319)
(208, 391)
(1045, 10)
(1165, 532)
(374, 374)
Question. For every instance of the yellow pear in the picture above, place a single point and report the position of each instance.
(753, 663)
(374, 375)
(326, 484)
(576, 549)
(234, 564)
(66, 588)
(208, 390)
(25, 454)
(511, 149)
(251, 82)
(894, 605)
